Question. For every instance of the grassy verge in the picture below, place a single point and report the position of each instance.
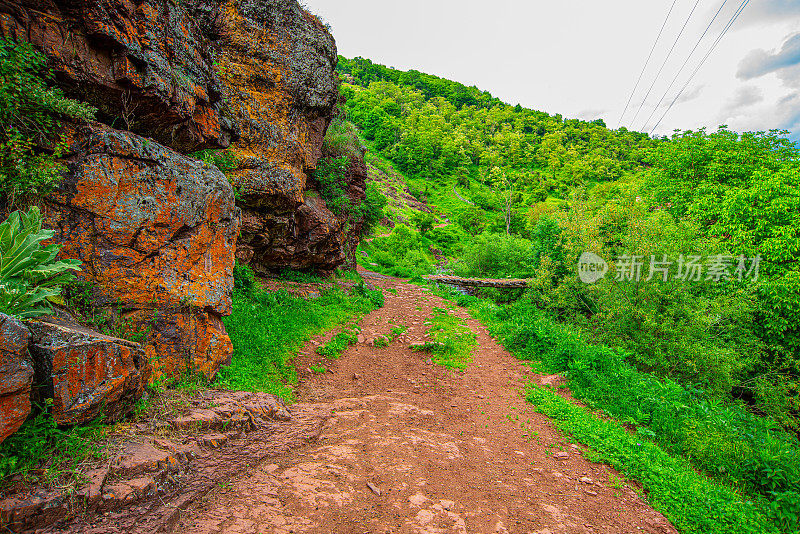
(692, 502)
(43, 453)
(338, 344)
(451, 341)
(268, 329)
(748, 455)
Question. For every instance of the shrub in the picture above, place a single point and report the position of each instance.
(341, 139)
(496, 256)
(722, 439)
(331, 176)
(29, 112)
(372, 207)
(244, 278)
(30, 273)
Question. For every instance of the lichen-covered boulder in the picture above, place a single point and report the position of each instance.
(16, 375)
(147, 65)
(85, 373)
(156, 232)
(277, 66)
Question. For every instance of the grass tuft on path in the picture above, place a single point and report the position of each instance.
(451, 341)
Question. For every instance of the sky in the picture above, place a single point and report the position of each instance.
(582, 58)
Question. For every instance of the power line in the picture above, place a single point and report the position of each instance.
(644, 126)
(647, 61)
(710, 50)
(665, 61)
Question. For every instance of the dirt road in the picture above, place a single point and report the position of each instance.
(416, 448)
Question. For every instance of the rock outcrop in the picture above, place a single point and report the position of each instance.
(156, 232)
(151, 478)
(16, 375)
(85, 373)
(147, 65)
(278, 70)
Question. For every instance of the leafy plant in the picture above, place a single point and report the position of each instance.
(330, 174)
(29, 115)
(30, 273)
(338, 344)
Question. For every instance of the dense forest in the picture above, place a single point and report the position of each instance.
(699, 313)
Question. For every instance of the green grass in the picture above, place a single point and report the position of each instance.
(49, 455)
(268, 329)
(691, 501)
(451, 341)
(338, 344)
(749, 455)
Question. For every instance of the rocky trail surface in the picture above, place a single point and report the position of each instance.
(413, 447)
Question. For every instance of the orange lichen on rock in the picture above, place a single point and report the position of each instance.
(16, 375)
(156, 232)
(87, 374)
(145, 64)
(277, 66)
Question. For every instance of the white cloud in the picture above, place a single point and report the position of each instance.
(760, 62)
(591, 114)
(743, 97)
(771, 10)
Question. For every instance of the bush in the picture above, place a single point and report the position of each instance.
(372, 207)
(331, 176)
(496, 256)
(29, 113)
(244, 279)
(30, 273)
(341, 139)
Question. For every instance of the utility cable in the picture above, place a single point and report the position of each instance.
(647, 61)
(675, 79)
(713, 46)
(665, 61)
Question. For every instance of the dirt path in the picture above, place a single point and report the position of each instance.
(416, 448)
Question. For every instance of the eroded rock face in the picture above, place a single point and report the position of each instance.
(147, 65)
(192, 75)
(278, 71)
(149, 479)
(156, 232)
(16, 375)
(85, 373)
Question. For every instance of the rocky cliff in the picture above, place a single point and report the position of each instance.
(157, 230)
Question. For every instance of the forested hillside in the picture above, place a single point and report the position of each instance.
(692, 336)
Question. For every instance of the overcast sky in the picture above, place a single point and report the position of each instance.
(582, 58)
